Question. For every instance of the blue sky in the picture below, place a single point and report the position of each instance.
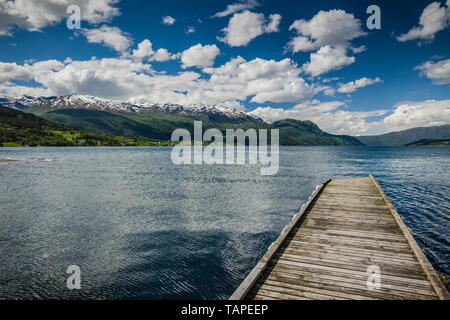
(277, 59)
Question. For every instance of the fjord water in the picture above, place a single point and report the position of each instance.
(140, 227)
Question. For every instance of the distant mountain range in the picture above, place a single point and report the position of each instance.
(416, 136)
(430, 142)
(158, 121)
(94, 103)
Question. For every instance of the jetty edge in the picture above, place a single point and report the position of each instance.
(345, 227)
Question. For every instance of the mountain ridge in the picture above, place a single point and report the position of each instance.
(95, 103)
(408, 136)
(158, 121)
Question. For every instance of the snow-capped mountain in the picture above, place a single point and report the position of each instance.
(95, 103)
(204, 109)
(68, 102)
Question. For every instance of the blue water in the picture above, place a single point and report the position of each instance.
(140, 227)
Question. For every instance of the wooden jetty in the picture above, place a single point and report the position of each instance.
(346, 237)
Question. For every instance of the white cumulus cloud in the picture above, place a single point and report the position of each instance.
(434, 18)
(162, 55)
(274, 23)
(438, 72)
(263, 80)
(111, 37)
(327, 59)
(329, 116)
(354, 85)
(199, 56)
(145, 51)
(12, 71)
(190, 30)
(34, 15)
(330, 33)
(130, 79)
(244, 27)
(168, 20)
(419, 114)
(236, 7)
(335, 28)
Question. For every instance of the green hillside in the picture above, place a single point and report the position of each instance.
(24, 129)
(159, 125)
(406, 137)
(430, 142)
(307, 133)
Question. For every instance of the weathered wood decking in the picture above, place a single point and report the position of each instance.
(345, 227)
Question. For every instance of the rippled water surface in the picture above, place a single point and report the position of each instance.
(142, 228)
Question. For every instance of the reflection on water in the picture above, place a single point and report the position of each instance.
(142, 228)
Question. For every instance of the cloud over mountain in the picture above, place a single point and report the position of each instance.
(330, 115)
(419, 114)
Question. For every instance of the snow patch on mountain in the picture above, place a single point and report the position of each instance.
(95, 103)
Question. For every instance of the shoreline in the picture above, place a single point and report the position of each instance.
(166, 146)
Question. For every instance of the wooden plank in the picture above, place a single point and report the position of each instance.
(360, 239)
(350, 256)
(355, 264)
(336, 211)
(431, 274)
(357, 233)
(248, 282)
(301, 272)
(345, 227)
(332, 220)
(353, 245)
(405, 278)
(278, 296)
(357, 280)
(318, 223)
(344, 289)
(299, 238)
(309, 293)
(350, 207)
(374, 255)
(263, 297)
